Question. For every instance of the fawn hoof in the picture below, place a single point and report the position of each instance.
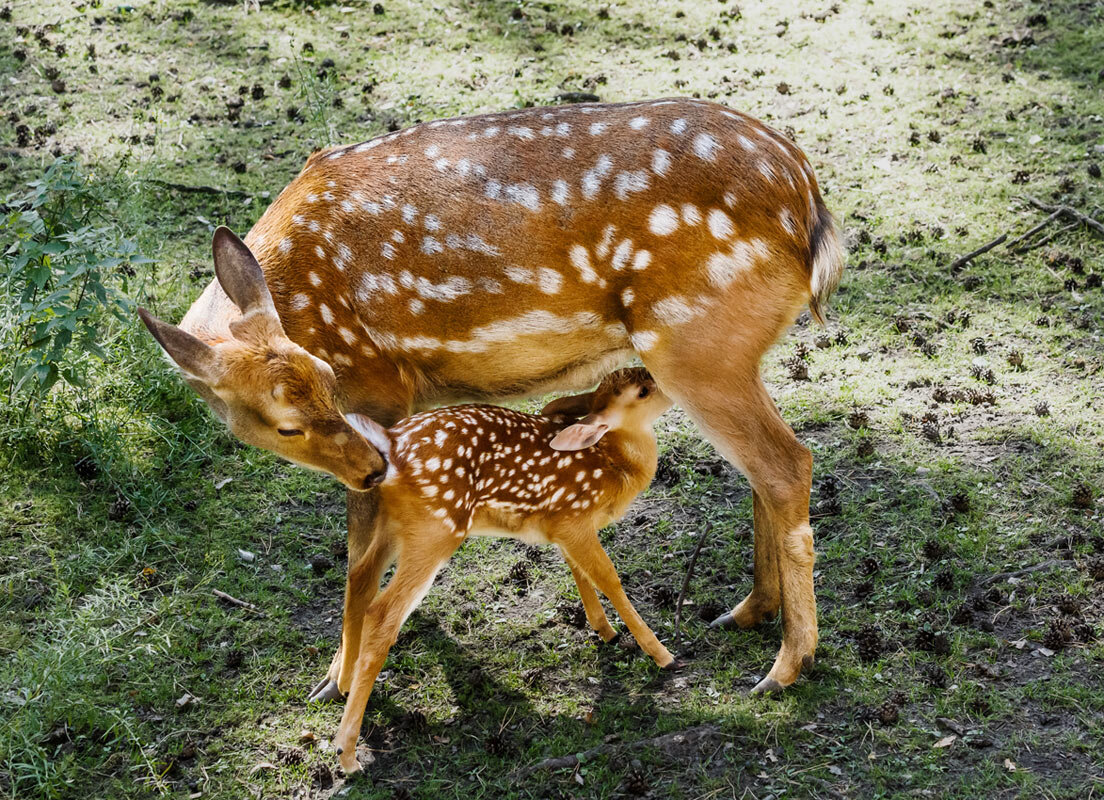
(767, 686)
(725, 621)
(325, 690)
(674, 665)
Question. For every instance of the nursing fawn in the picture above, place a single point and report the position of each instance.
(478, 470)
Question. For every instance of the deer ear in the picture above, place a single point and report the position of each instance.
(239, 274)
(194, 357)
(576, 405)
(579, 436)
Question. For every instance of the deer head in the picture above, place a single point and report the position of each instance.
(268, 390)
(627, 400)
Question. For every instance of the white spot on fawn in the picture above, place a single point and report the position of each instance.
(638, 122)
(690, 214)
(592, 178)
(724, 267)
(678, 127)
(661, 162)
(300, 301)
(327, 315)
(627, 297)
(628, 182)
(641, 260)
(706, 147)
(314, 279)
(559, 192)
(644, 341)
(549, 280)
(580, 259)
(720, 224)
(663, 220)
(621, 254)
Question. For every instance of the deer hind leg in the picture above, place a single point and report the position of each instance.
(595, 614)
(363, 511)
(587, 552)
(384, 617)
(735, 413)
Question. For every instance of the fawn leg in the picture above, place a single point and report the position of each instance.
(595, 614)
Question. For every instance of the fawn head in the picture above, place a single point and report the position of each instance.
(627, 399)
(268, 390)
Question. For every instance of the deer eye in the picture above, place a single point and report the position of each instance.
(644, 392)
(289, 431)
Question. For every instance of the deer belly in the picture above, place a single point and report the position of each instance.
(529, 535)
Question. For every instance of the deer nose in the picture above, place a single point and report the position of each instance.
(374, 479)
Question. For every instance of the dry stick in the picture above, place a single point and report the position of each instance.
(1068, 213)
(1050, 237)
(183, 187)
(236, 602)
(966, 259)
(1034, 230)
(688, 736)
(686, 585)
(1003, 576)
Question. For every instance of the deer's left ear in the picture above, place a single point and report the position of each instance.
(583, 434)
(239, 274)
(575, 405)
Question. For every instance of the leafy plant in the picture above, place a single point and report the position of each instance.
(65, 270)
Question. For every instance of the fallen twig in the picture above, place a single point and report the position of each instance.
(684, 737)
(1042, 565)
(188, 189)
(1050, 237)
(1034, 230)
(962, 261)
(236, 602)
(686, 585)
(1068, 213)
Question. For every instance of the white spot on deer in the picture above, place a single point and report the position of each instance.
(706, 147)
(318, 251)
(432, 151)
(347, 335)
(745, 142)
(598, 128)
(492, 190)
(520, 274)
(549, 280)
(431, 222)
(562, 129)
(643, 341)
(725, 266)
(524, 194)
(678, 127)
(628, 182)
(638, 122)
(720, 224)
(491, 132)
(621, 254)
(416, 306)
(312, 198)
(568, 153)
(441, 164)
(787, 221)
(767, 171)
(690, 214)
(641, 260)
(342, 359)
(398, 236)
(463, 166)
(300, 301)
(285, 244)
(360, 148)
(663, 220)
(347, 207)
(674, 310)
(313, 225)
(661, 162)
(343, 257)
(387, 250)
(627, 297)
(314, 279)
(592, 178)
(327, 315)
(372, 208)
(408, 213)
(559, 192)
(521, 132)
(602, 250)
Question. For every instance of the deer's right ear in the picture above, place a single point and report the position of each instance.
(581, 435)
(194, 357)
(239, 274)
(575, 405)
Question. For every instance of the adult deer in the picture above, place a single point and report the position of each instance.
(508, 254)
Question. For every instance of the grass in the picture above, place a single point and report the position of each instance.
(122, 509)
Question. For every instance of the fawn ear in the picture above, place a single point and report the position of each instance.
(581, 435)
(194, 357)
(239, 274)
(575, 405)
(371, 430)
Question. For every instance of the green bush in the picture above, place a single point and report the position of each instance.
(66, 270)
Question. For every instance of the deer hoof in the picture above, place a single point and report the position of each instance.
(767, 686)
(674, 665)
(325, 690)
(725, 621)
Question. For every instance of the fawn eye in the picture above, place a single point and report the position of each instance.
(289, 431)
(644, 392)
